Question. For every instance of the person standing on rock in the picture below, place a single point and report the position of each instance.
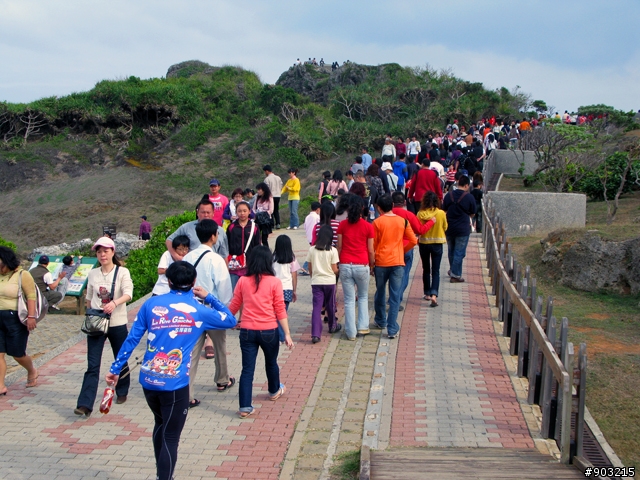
(218, 200)
(145, 229)
(275, 185)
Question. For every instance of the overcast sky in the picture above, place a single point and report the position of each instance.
(568, 53)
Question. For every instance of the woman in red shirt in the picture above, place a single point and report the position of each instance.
(260, 295)
(355, 249)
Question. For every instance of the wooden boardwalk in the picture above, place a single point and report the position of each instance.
(461, 463)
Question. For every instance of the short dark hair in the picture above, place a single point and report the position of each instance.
(315, 206)
(293, 170)
(349, 173)
(477, 182)
(326, 174)
(9, 258)
(358, 159)
(205, 201)
(463, 181)
(205, 229)
(67, 260)
(385, 203)
(181, 241)
(267, 168)
(398, 198)
(181, 274)
(401, 156)
(237, 191)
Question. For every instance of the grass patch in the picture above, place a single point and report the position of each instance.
(346, 466)
(608, 322)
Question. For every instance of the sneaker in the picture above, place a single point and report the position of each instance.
(395, 335)
(449, 272)
(400, 308)
(336, 329)
(456, 280)
(121, 399)
(82, 411)
(279, 393)
(364, 332)
(351, 339)
(302, 272)
(315, 339)
(278, 227)
(377, 327)
(54, 307)
(295, 228)
(288, 228)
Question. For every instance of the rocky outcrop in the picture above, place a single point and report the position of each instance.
(190, 67)
(593, 264)
(317, 82)
(125, 242)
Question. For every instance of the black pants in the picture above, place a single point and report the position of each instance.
(276, 211)
(170, 414)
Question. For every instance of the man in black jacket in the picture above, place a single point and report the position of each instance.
(460, 207)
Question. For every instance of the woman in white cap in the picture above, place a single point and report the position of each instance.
(99, 284)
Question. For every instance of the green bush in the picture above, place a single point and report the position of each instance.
(611, 172)
(7, 243)
(143, 263)
(291, 157)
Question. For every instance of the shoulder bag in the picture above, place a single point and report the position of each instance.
(239, 262)
(42, 306)
(96, 320)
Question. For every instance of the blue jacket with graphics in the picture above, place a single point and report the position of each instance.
(175, 321)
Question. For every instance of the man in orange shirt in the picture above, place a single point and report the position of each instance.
(391, 232)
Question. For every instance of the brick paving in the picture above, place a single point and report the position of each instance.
(448, 383)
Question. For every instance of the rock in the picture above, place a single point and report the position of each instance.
(190, 67)
(125, 242)
(593, 264)
(551, 255)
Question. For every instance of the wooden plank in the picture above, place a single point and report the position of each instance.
(365, 463)
(565, 437)
(582, 393)
(547, 384)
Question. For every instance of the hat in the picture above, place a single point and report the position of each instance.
(214, 181)
(144, 217)
(104, 242)
(386, 166)
(43, 260)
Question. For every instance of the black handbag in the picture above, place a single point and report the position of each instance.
(263, 218)
(96, 321)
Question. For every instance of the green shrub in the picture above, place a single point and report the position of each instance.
(291, 157)
(7, 243)
(611, 172)
(143, 263)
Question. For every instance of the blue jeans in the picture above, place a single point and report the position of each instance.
(392, 275)
(431, 256)
(95, 345)
(280, 329)
(457, 249)
(408, 263)
(353, 276)
(250, 342)
(293, 213)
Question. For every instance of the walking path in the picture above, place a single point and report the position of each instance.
(442, 383)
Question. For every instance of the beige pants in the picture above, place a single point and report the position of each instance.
(219, 339)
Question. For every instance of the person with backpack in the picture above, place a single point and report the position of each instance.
(335, 184)
(14, 334)
(400, 170)
(322, 188)
(460, 207)
(214, 277)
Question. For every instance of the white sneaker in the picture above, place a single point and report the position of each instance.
(288, 228)
(55, 307)
(295, 228)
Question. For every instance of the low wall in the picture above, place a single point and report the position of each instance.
(536, 214)
(510, 161)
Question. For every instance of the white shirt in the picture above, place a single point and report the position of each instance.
(48, 278)
(284, 272)
(437, 166)
(212, 271)
(162, 284)
(309, 225)
(414, 148)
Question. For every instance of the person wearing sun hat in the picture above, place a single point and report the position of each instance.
(99, 283)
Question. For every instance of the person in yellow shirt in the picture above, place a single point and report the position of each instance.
(431, 245)
(292, 187)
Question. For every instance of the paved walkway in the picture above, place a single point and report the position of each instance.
(447, 386)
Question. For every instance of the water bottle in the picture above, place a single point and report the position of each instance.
(107, 399)
(372, 212)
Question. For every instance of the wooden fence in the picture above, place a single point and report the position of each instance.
(545, 356)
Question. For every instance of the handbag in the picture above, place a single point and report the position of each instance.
(42, 306)
(263, 218)
(239, 262)
(96, 320)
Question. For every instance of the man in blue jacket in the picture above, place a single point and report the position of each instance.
(175, 321)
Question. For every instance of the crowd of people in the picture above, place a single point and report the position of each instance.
(365, 224)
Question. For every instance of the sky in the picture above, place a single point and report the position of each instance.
(567, 53)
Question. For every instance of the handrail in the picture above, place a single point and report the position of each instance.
(531, 334)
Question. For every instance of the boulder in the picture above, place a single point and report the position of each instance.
(125, 242)
(593, 264)
(190, 67)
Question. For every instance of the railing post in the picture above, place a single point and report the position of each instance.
(546, 399)
(582, 393)
(565, 434)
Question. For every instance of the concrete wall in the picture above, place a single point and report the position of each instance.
(509, 161)
(536, 214)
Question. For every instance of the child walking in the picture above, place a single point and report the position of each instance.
(323, 268)
(286, 269)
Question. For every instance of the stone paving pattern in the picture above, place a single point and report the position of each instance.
(449, 387)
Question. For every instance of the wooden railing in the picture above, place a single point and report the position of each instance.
(545, 356)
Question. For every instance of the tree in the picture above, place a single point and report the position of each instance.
(631, 170)
(540, 106)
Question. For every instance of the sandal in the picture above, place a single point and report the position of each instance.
(434, 302)
(246, 414)
(33, 382)
(279, 393)
(225, 386)
(194, 403)
(209, 353)
(426, 297)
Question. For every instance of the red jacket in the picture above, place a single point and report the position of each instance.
(424, 180)
(415, 224)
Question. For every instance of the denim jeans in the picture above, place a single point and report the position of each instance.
(457, 249)
(95, 345)
(408, 263)
(250, 342)
(431, 256)
(353, 276)
(392, 275)
(293, 213)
